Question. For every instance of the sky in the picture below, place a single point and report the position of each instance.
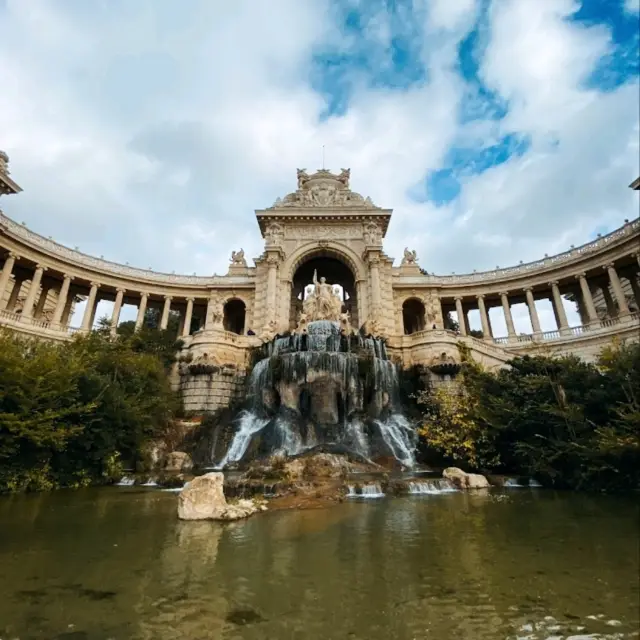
(148, 131)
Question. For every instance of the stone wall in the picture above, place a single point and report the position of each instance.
(206, 392)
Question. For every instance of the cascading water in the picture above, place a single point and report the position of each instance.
(322, 388)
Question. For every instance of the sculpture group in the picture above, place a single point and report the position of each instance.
(323, 302)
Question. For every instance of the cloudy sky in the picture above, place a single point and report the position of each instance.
(148, 131)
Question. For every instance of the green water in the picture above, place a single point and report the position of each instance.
(115, 563)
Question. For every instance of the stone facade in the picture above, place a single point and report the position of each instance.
(326, 227)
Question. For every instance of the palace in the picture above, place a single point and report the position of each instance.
(324, 228)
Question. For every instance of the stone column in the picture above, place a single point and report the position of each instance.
(62, 301)
(117, 307)
(42, 301)
(484, 319)
(90, 308)
(272, 286)
(186, 324)
(15, 292)
(558, 307)
(142, 309)
(66, 314)
(461, 319)
(533, 312)
(587, 298)
(33, 291)
(374, 270)
(506, 308)
(363, 307)
(164, 320)
(617, 289)
(635, 287)
(5, 275)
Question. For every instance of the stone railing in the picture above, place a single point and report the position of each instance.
(548, 262)
(572, 332)
(17, 321)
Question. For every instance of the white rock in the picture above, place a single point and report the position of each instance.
(178, 461)
(462, 480)
(203, 499)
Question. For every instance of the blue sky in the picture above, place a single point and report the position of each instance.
(497, 131)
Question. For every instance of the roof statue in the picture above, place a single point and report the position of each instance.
(324, 189)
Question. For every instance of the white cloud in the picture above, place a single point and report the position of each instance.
(150, 134)
(632, 6)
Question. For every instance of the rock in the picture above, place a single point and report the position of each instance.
(203, 499)
(463, 480)
(178, 461)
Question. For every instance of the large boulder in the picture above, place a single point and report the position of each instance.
(177, 461)
(462, 480)
(203, 499)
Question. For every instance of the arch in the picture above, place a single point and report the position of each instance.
(234, 315)
(326, 249)
(413, 315)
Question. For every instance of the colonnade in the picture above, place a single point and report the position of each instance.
(61, 291)
(579, 289)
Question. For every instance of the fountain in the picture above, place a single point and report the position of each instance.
(325, 387)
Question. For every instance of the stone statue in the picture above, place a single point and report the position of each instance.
(303, 177)
(217, 311)
(344, 176)
(237, 258)
(372, 233)
(433, 310)
(323, 303)
(269, 331)
(410, 257)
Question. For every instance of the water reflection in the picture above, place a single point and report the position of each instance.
(106, 563)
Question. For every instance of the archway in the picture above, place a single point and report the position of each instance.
(413, 315)
(235, 313)
(336, 272)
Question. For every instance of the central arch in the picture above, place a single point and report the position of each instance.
(336, 265)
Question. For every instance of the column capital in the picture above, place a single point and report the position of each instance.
(580, 275)
(168, 298)
(457, 298)
(190, 299)
(273, 260)
(121, 290)
(480, 296)
(41, 267)
(528, 289)
(95, 284)
(373, 260)
(13, 254)
(144, 294)
(608, 266)
(553, 283)
(67, 276)
(503, 293)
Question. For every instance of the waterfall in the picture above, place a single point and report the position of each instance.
(126, 481)
(512, 483)
(396, 432)
(248, 425)
(323, 388)
(430, 487)
(534, 484)
(373, 490)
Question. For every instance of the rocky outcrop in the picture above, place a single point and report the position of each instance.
(462, 480)
(178, 461)
(203, 499)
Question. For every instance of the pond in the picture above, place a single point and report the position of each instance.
(115, 563)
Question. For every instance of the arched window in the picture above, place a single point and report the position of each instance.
(235, 313)
(413, 316)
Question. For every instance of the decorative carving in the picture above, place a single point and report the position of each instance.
(274, 234)
(269, 331)
(216, 306)
(237, 258)
(4, 163)
(372, 234)
(345, 324)
(323, 189)
(433, 310)
(410, 257)
(329, 232)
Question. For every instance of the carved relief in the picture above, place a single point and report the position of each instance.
(274, 234)
(310, 232)
(372, 234)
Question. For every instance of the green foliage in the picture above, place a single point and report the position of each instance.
(566, 422)
(69, 412)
